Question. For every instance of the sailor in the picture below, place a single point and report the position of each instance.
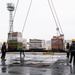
(72, 51)
(67, 49)
(3, 51)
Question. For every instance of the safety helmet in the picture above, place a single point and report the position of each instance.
(67, 42)
(73, 40)
(4, 42)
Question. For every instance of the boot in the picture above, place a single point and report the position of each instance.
(3, 59)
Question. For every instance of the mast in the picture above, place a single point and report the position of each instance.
(10, 8)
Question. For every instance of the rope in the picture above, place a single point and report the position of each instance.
(53, 15)
(27, 16)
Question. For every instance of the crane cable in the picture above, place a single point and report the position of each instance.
(15, 10)
(29, 10)
(53, 15)
(56, 16)
(27, 16)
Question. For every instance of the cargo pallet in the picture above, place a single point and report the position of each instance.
(34, 50)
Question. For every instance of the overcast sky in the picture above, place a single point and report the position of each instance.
(40, 22)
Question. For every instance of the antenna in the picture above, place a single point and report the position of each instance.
(10, 8)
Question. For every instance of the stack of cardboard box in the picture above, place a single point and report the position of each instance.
(15, 41)
(37, 44)
(57, 43)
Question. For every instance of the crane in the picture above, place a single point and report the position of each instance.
(52, 8)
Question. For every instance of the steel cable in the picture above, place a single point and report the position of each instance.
(27, 16)
(15, 10)
(53, 15)
(56, 16)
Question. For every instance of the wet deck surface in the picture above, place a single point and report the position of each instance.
(55, 64)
